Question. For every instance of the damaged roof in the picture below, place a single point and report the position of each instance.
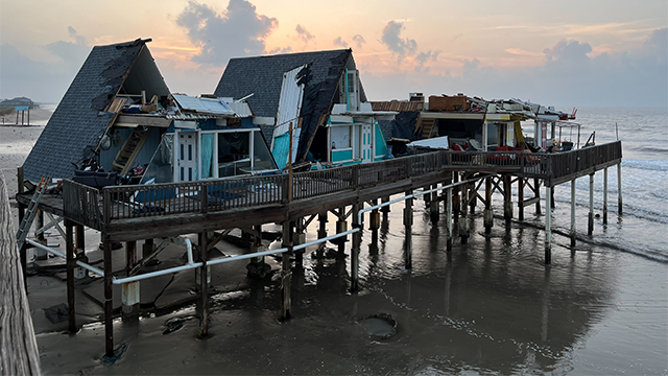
(79, 120)
(263, 77)
(402, 127)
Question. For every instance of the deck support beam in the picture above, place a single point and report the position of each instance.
(448, 217)
(130, 295)
(619, 188)
(536, 187)
(80, 254)
(204, 281)
(355, 251)
(548, 225)
(520, 198)
(408, 229)
(108, 299)
(572, 232)
(434, 212)
(590, 227)
(507, 198)
(69, 247)
(40, 254)
(342, 226)
(286, 272)
(605, 196)
(464, 220)
(489, 214)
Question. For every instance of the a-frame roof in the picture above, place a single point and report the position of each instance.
(80, 119)
(262, 76)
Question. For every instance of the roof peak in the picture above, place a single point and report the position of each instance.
(293, 53)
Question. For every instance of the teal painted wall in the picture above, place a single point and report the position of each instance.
(381, 145)
(341, 155)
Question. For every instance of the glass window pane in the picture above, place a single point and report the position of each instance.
(263, 159)
(233, 153)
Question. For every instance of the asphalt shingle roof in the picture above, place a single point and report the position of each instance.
(79, 120)
(263, 76)
(402, 126)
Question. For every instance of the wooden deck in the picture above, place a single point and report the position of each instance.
(18, 346)
(137, 212)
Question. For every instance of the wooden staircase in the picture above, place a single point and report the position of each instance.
(131, 148)
(428, 128)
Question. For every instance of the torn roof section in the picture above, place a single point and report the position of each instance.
(80, 119)
(263, 77)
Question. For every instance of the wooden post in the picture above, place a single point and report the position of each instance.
(448, 217)
(290, 163)
(299, 238)
(69, 247)
(355, 252)
(130, 293)
(536, 184)
(40, 254)
(322, 231)
(619, 188)
(408, 228)
(374, 217)
(22, 212)
(572, 233)
(427, 197)
(80, 252)
(489, 214)
(286, 272)
(473, 198)
(455, 203)
(464, 222)
(548, 225)
(590, 228)
(108, 298)
(605, 196)
(203, 284)
(520, 198)
(341, 226)
(434, 212)
(507, 199)
(385, 209)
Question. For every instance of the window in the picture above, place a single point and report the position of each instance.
(233, 153)
(341, 137)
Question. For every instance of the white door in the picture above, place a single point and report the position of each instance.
(186, 157)
(366, 143)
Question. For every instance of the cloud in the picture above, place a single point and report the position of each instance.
(238, 31)
(78, 39)
(279, 50)
(340, 42)
(568, 75)
(423, 57)
(359, 40)
(304, 34)
(391, 38)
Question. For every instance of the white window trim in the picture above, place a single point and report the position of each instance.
(251, 148)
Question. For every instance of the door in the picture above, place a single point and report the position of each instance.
(186, 157)
(366, 144)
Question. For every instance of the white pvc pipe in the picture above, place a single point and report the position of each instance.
(53, 251)
(119, 281)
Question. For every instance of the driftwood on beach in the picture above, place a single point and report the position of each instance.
(18, 346)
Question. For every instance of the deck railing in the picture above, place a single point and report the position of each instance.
(95, 208)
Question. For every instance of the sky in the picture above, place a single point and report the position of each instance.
(611, 53)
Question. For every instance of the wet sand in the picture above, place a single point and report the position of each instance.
(489, 307)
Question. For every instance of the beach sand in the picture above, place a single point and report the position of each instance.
(491, 306)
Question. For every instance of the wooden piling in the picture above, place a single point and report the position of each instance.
(22, 211)
(572, 233)
(548, 225)
(341, 226)
(448, 218)
(70, 260)
(408, 229)
(464, 222)
(536, 185)
(286, 273)
(489, 214)
(385, 209)
(130, 290)
(203, 285)
(434, 212)
(355, 252)
(619, 188)
(590, 227)
(108, 298)
(520, 198)
(507, 198)
(605, 196)
(456, 207)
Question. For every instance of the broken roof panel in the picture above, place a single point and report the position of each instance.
(215, 106)
(79, 120)
(263, 77)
